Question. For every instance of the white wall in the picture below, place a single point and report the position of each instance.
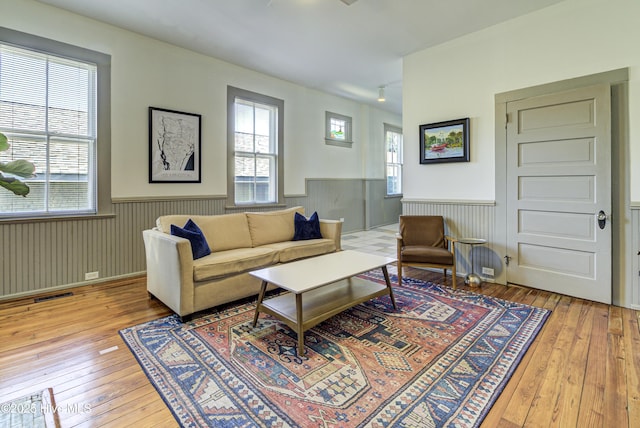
(460, 78)
(146, 72)
(374, 158)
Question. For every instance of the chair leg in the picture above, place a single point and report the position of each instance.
(399, 265)
(453, 277)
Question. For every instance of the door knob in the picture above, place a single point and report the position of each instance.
(602, 219)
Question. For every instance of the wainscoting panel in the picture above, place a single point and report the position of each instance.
(477, 220)
(335, 199)
(45, 255)
(362, 203)
(635, 248)
(381, 210)
(38, 256)
(465, 219)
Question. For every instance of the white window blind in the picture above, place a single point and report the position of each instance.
(48, 111)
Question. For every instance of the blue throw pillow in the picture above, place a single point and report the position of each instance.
(192, 232)
(306, 229)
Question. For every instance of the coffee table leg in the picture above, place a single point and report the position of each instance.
(386, 278)
(300, 324)
(260, 298)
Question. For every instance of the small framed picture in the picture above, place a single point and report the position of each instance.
(445, 141)
(174, 146)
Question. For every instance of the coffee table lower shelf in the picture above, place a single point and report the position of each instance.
(304, 310)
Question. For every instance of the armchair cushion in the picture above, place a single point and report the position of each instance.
(421, 253)
(423, 230)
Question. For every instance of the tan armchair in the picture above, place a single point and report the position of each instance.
(422, 243)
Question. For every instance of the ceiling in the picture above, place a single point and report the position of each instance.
(346, 50)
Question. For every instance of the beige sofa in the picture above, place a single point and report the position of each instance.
(239, 243)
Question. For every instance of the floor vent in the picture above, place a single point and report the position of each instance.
(55, 296)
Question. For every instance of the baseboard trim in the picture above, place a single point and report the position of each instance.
(34, 293)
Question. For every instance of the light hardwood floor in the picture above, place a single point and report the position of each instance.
(583, 370)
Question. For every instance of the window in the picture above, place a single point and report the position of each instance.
(338, 130)
(256, 147)
(393, 147)
(49, 112)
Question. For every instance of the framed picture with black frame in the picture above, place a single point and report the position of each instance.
(446, 141)
(174, 146)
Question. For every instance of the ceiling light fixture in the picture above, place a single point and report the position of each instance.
(381, 97)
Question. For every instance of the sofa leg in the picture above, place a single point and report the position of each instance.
(185, 318)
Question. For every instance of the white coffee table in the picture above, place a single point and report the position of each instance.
(320, 287)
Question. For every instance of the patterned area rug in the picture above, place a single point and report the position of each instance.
(442, 359)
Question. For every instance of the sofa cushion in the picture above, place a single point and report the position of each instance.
(163, 223)
(222, 232)
(191, 231)
(272, 226)
(294, 250)
(231, 262)
(306, 228)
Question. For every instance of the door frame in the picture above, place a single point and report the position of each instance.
(622, 261)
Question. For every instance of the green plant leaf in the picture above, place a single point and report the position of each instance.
(14, 185)
(20, 167)
(4, 144)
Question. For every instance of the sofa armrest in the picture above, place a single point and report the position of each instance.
(170, 270)
(332, 229)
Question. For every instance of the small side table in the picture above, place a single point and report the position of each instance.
(472, 279)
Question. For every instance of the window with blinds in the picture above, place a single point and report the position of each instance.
(48, 111)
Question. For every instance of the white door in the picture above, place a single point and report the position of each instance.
(558, 181)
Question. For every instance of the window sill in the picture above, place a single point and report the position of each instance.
(338, 143)
(253, 207)
(45, 219)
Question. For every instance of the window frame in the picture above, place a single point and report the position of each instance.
(348, 132)
(101, 176)
(278, 104)
(395, 129)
